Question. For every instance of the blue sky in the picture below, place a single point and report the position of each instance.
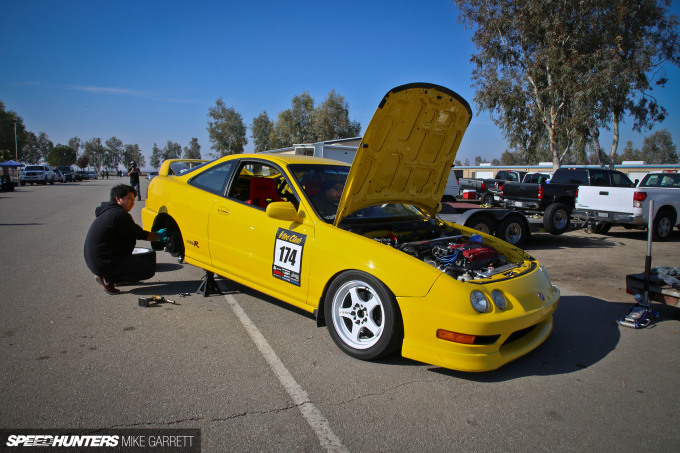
(148, 71)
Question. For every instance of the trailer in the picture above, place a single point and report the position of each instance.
(511, 226)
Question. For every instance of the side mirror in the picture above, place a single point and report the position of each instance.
(283, 210)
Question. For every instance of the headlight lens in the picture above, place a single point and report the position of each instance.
(499, 299)
(479, 301)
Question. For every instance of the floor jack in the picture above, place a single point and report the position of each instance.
(641, 314)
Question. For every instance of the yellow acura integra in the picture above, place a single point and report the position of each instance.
(361, 247)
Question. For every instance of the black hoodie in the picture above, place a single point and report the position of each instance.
(112, 236)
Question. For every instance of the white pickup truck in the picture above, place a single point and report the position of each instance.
(627, 206)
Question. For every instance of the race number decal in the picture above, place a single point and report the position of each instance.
(288, 256)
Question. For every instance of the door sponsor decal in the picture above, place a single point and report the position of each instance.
(288, 249)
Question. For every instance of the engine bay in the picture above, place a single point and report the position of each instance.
(461, 256)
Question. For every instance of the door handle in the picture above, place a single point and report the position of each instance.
(221, 210)
(604, 193)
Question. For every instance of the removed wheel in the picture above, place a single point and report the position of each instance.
(146, 254)
(362, 316)
(487, 199)
(512, 230)
(556, 218)
(663, 225)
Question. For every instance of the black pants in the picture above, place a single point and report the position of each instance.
(130, 269)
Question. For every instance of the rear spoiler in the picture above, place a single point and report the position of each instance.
(166, 168)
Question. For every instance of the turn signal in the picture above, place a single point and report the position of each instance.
(455, 337)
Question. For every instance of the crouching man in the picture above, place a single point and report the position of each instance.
(111, 240)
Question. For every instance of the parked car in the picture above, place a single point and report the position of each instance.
(603, 207)
(484, 187)
(82, 175)
(59, 176)
(378, 268)
(32, 174)
(151, 175)
(92, 174)
(556, 200)
(66, 171)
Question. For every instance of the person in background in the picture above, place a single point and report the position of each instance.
(111, 240)
(134, 174)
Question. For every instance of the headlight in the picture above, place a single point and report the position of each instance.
(499, 299)
(479, 301)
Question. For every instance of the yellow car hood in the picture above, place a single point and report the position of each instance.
(407, 151)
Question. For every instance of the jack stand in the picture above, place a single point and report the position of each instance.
(209, 285)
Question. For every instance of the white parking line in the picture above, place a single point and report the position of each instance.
(315, 419)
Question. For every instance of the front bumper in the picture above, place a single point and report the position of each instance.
(505, 334)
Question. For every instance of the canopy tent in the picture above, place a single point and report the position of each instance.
(11, 164)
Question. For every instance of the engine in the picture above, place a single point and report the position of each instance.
(464, 258)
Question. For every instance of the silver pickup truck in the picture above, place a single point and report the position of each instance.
(603, 207)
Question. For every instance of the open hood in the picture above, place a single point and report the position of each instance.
(407, 151)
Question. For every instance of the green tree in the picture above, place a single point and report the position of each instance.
(74, 143)
(45, 145)
(331, 119)
(559, 71)
(7, 124)
(295, 125)
(31, 150)
(113, 153)
(94, 149)
(133, 153)
(226, 129)
(261, 131)
(632, 41)
(659, 148)
(6, 154)
(156, 156)
(172, 150)
(61, 155)
(83, 161)
(631, 153)
(193, 150)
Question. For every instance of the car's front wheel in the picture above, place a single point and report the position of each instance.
(362, 316)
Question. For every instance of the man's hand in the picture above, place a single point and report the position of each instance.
(162, 234)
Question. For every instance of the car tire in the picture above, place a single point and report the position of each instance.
(557, 218)
(22, 183)
(487, 198)
(146, 254)
(480, 223)
(362, 316)
(663, 225)
(512, 230)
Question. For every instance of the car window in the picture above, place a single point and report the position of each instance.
(661, 180)
(599, 178)
(570, 177)
(323, 186)
(214, 179)
(259, 183)
(621, 180)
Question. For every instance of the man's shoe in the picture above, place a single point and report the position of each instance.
(108, 287)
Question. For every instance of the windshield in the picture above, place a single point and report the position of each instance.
(323, 186)
(661, 180)
(35, 168)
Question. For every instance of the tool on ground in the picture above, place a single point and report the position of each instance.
(641, 314)
(147, 301)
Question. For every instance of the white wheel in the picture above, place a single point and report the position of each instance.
(362, 316)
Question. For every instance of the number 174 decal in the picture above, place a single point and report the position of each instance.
(288, 249)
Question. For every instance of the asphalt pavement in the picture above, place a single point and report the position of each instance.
(254, 374)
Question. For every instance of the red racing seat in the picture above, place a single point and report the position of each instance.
(263, 191)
